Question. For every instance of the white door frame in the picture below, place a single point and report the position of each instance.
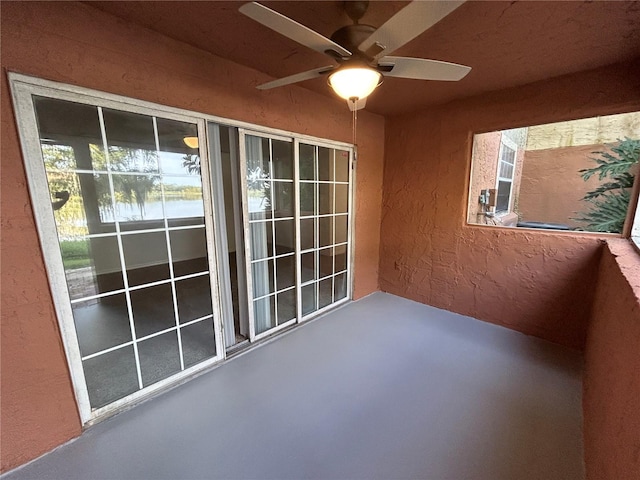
(253, 336)
(22, 89)
(247, 247)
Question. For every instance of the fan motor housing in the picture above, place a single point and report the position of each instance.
(351, 36)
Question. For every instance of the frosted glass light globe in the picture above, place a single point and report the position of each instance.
(356, 82)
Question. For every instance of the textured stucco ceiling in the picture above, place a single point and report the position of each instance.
(506, 43)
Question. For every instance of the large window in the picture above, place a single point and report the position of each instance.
(575, 175)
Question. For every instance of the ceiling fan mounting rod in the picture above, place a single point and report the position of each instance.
(356, 9)
(350, 36)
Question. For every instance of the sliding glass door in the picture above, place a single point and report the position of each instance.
(271, 232)
(297, 212)
(126, 225)
(162, 262)
(324, 226)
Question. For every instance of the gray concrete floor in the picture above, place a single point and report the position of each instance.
(382, 388)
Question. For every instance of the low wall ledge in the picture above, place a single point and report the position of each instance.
(627, 256)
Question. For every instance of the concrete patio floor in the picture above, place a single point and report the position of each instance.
(381, 388)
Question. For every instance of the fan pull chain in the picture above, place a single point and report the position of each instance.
(354, 123)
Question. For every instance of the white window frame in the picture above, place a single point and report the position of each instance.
(506, 142)
(635, 225)
(23, 87)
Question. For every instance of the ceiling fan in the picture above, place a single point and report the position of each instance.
(362, 51)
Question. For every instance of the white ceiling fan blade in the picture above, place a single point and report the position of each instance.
(358, 104)
(291, 29)
(298, 77)
(423, 69)
(408, 23)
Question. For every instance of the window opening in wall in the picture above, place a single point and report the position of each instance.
(575, 175)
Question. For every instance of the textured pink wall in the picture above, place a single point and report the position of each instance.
(73, 43)
(536, 282)
(611, 397)
(552, 189)
(486, 148)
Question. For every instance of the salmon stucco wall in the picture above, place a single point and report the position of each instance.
(486, 148)
(611, 392)
(539, 283)
(76, 44)
(552, 187)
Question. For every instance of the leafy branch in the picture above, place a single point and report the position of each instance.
(191, 163)
(619, 182)
(609, 202)
(607, 214)
(626, 155)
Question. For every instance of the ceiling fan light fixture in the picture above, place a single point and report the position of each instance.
(191, 142)
(355, 82)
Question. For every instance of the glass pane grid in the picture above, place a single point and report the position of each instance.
(324, 215)
(272, 235)
(273, 257)
(323, 283)
(107, 350)
(112, 170)
(275, 220)
(174, 294)
(309, 282)
(328, 182)
(125, 225)
(139, 339)
(271, 294)
(340, 244)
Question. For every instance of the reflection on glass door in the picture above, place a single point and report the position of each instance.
(129, 210)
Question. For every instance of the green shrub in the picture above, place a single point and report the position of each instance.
(75, 254)
(610, 201)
